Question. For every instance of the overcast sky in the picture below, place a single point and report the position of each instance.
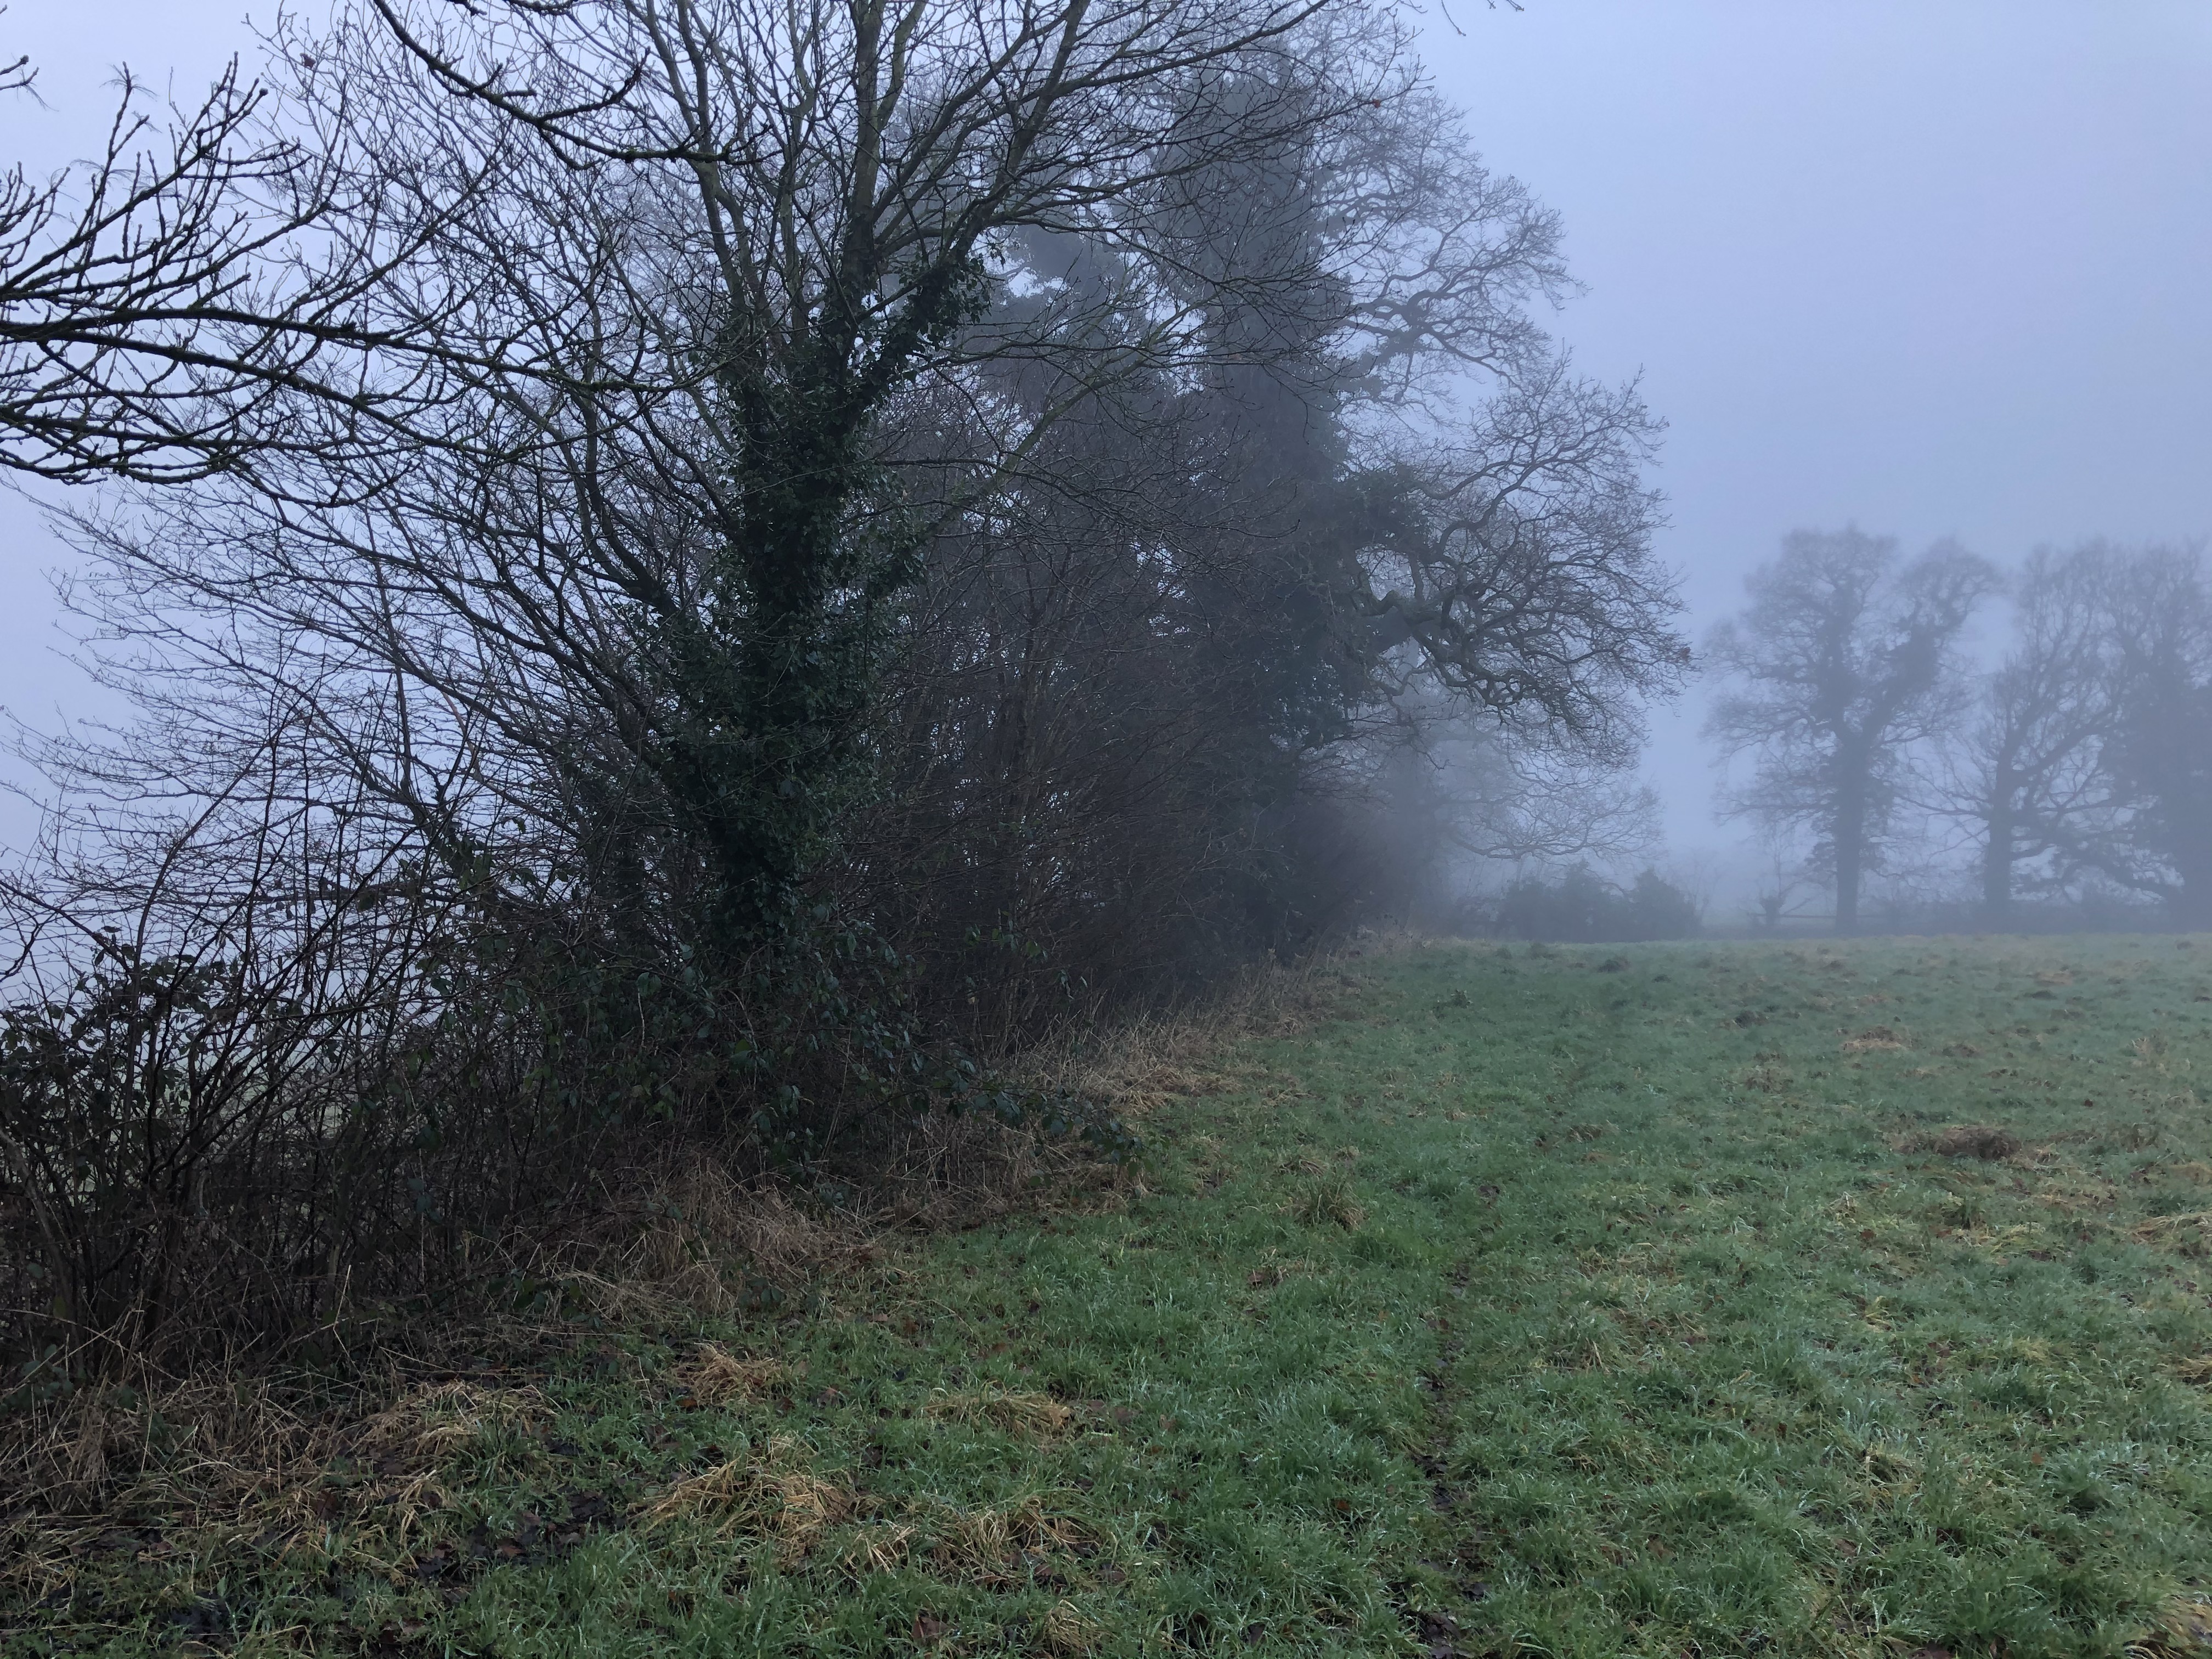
(1935, 266)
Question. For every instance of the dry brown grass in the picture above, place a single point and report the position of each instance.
(957, 1171)
(995, 1546)
(245, 1449)
(1036, 1416)
(1988, 1141)
(430, 1422)
(700, 1238)
(1143, 1064)
(772, 1495)
(715, 1375)
(880, 1547)
(236, 1460)
(1068, 1631)
(2183, 1630)
(2197, 1371)
(1876, 1039)
(987, 1544)
(2191, 1234)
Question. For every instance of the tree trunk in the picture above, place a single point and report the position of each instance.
(1850, 836)
(2191, 904)
(1997, 854)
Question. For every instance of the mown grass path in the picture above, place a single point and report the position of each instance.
(1582, 1303)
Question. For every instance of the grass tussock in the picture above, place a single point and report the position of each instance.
(717, 1376)
(1989, 1142)
(1876, 1039)
(2183, 1630)
(1327, 1198)
(1067, 1632)
(775, 1495)
(1022, 1412)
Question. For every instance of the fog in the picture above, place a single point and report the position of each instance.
(1928, 271)
(1937, 270)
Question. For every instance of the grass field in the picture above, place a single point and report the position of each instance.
(1578, 1302)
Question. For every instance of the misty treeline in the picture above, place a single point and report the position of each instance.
(691, 575)
(2063, 774)
(1579, 905)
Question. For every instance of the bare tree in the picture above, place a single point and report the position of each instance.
(2030, 774)
(742, 250)
(195, 297)
(1845, 662)
(963, 473)
(2154, 833)
(1516, 560)
(2087, 760)
(778, 483)
(802, 294)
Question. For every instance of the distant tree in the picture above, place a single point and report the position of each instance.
(1845, 661)
(2154, 834)
(1579, 906)
(2091, 758)
(2031, 774)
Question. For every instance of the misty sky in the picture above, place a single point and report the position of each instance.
(1937, 266)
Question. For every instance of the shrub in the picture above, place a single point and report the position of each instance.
(1581, 907)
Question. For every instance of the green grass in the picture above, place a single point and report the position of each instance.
(1581, 1302)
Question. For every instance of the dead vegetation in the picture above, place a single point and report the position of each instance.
(1876, 1039)
(2189, 1233)
(1139, 1067)
(2197, 1371)
(222, 1461)
(702, 1240)
(775, 1495)
(1027, 1413)
(986, 1545)
(1989, 1142)
(2183, 1630)
(716, 1376)
(248, 1448)
(257, 1449)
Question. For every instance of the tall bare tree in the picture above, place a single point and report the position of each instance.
(1845, 662)
(2031, 775)
(800, 293)
(745, 253)
(2154, 834)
